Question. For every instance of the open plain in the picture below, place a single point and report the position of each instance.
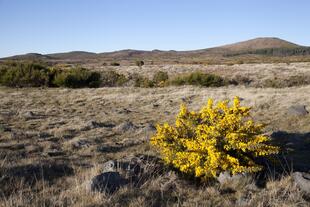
(55, 140)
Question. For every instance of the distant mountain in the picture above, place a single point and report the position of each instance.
(30, 56)
(260, 43)
(260, 46)
(74, 55)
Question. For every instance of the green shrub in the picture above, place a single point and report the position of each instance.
(111, 79)
(140, 81)
(19, 74)
(198, 78)
(115, 64)
(240, 80)
(160, 78)
(77, 78)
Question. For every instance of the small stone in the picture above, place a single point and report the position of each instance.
(107, 182)
(109, 166)
(80, 144)
(28, 115)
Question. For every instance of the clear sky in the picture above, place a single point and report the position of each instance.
(50, 26)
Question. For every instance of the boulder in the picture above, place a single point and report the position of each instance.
(107, 182)
(297, 110)
(302, 180)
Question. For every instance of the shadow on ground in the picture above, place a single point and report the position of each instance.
(28, 175)
(295, 150)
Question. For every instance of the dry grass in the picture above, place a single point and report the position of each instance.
(60, 130)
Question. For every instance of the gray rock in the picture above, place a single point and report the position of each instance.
(80, 144)
(302, 180)
(109, 166)
(126, 126)
(235, 181)
(107, 182)
(128, 167)
(297, 110)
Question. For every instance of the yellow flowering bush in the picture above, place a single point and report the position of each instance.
(217, 138)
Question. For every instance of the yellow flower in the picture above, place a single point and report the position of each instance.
(215, 139)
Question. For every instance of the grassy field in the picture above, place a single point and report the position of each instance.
(53, 141)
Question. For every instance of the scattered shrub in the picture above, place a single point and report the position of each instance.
(20, 74)
(198, 78)
(215, 139)
(77, 78)
(111, 79)
(297, 80)
(140, 81)
(160, 78)
(139, 63)
(240, 80)
(115, 64)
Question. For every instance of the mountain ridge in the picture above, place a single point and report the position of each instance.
(248, 45)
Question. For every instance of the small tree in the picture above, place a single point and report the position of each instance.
(215, 139)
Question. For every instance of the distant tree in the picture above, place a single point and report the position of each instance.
(139, 63)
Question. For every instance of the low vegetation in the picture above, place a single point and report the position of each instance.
(199, 79)
(214, 140)
(112, 79)
(38, 74)
(296, 80)
(16, 74)
(77, 78)
(30, 74)
(160, 78)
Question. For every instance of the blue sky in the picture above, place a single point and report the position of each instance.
(49, 26)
